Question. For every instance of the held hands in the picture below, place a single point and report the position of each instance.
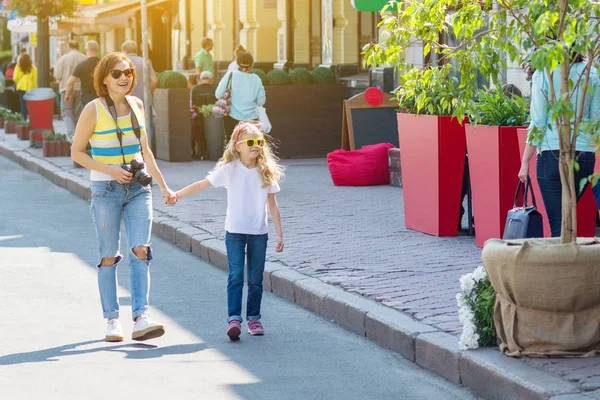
(168, 196)
(173, 199)
(524, 172)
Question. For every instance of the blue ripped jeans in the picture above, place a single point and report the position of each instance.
(111, 202)
(237, 246)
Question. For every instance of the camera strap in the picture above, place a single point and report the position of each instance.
(134, 124)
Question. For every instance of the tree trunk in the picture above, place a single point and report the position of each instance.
(43, 53)
(569, 199)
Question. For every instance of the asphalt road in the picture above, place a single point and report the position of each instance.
(52, 329)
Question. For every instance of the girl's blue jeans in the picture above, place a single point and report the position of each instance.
(132, 203)
(241, 248)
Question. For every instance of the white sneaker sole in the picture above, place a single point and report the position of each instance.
(114, 338)
(151, 332)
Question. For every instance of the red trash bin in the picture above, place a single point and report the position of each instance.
(40, 106)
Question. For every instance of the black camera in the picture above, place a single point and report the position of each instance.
(136, 168)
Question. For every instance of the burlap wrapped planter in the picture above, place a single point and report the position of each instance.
(548, 296)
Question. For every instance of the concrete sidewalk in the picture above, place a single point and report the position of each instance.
(353, 240)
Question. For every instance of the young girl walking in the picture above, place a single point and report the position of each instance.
(250, 173)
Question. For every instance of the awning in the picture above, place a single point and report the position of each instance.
(26, 25)
(371, 5)
(109, 13)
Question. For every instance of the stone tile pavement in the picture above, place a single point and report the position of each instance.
(353, 238)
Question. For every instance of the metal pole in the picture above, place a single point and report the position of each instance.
(147, 89)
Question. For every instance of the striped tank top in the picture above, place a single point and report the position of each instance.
(104, 141)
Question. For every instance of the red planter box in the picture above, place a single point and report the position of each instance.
(432, 156)
(586, 208)
(494, 162)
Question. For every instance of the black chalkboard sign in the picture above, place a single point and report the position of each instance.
(364, 124)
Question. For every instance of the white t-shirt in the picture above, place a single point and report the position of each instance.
(246, 198)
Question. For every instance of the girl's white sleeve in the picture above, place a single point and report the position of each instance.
(274, 188)
(219, 177)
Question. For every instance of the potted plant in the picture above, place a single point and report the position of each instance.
(547, 301)
(49, 146)
(432, 141)
(214, 133)
(22, 127)
(10, 122)
(494, 159)
(63, 147)
(173, 118)
(3, 112)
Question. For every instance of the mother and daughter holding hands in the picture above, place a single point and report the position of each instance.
(113, 125)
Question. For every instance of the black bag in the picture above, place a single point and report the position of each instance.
(524, 222)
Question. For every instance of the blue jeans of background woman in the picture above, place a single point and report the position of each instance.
(112, 202)
(548, 176)
(237, 246)
(21, 94)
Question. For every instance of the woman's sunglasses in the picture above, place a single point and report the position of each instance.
(253, 142)
(116, 73)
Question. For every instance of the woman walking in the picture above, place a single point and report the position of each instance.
(113, 125)
(247, 92)
(25, 77)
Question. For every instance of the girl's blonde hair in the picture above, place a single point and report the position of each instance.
(267, 163)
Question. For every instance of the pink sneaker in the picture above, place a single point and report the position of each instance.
(255, 328)
(234, 329)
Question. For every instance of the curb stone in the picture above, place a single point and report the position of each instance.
(496, 376)
(484, 371)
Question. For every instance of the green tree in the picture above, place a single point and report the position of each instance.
(487, 35)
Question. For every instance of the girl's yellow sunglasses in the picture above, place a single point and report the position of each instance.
(253, 142)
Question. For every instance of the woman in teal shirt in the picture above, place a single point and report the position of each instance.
(547, 147)
(247, 92)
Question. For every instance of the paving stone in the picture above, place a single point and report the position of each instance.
(282, 282)
(183, 237)
(198, 248)
(217, 253)
(495, 376)
(438, 352)
(168, 229)
(394, 330)
(310, 293)
(270, 267)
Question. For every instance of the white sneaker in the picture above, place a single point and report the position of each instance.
(145, 329)
(114, 332)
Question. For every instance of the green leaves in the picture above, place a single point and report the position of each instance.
(494, 108)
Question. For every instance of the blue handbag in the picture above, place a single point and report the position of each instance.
(524, 222)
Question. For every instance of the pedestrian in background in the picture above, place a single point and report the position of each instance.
(25, 77)
(247, 92)
(250, 172)
(84, 73)
(69, 110)
(203, 59)
(233, 66)
(547, 147)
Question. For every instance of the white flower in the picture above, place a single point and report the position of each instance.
(469, 338)
(467, 284)
(479, 274)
